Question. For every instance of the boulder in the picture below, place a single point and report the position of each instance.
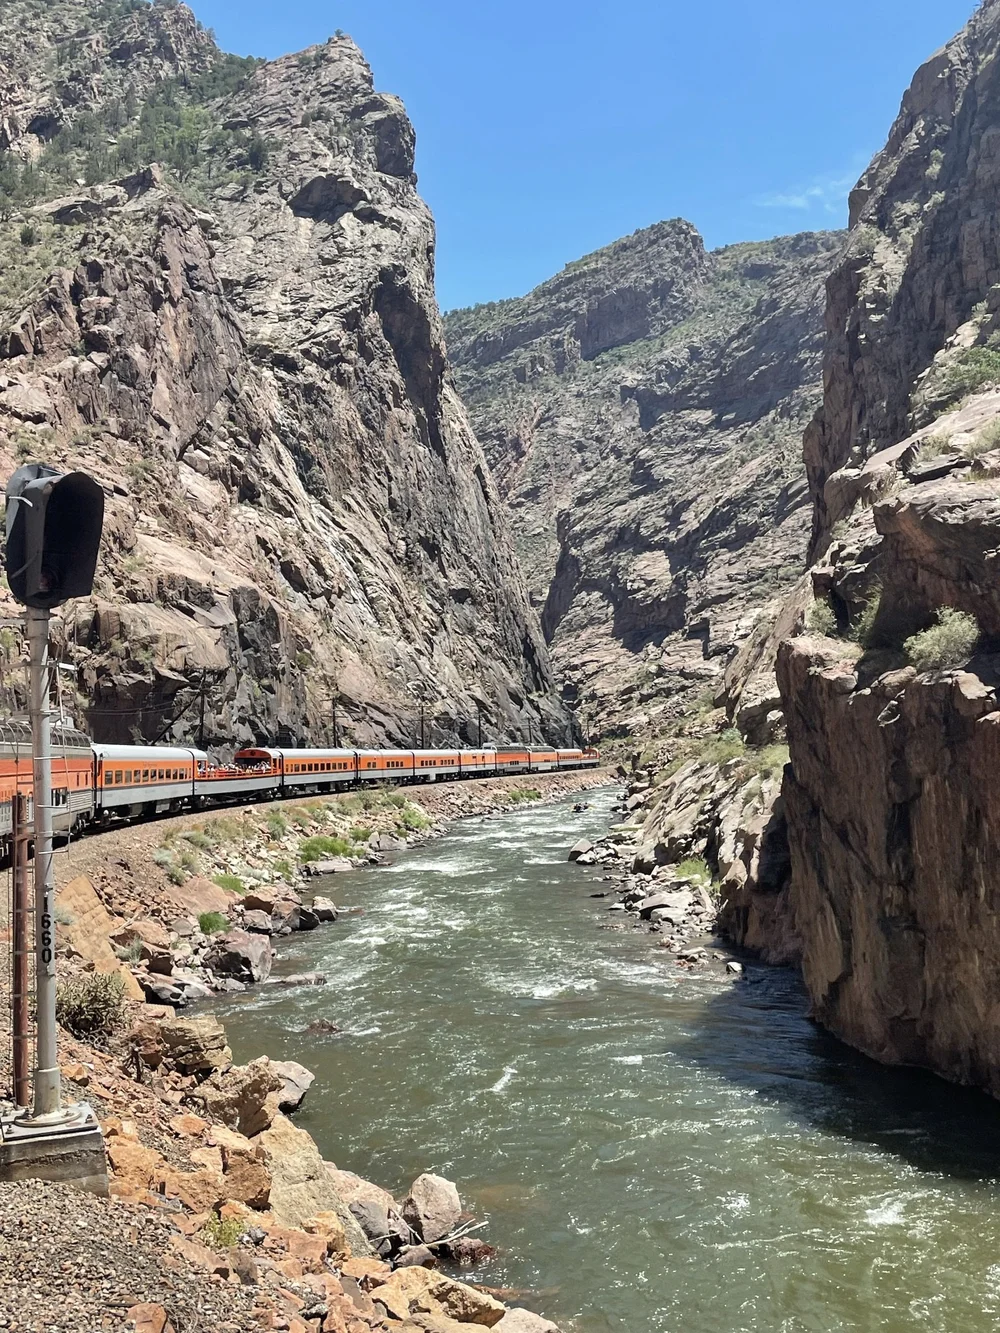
(146, 931)
(336, 866)
(373, 1219)
(324, 909)
(581, 848)
(190, 985)
(267, 899)
(677, 903)
(432, 1208)
(387, 842)
(302, 1186)
(419, 1291)
(242, 955)
(198, 895)
(308, 919)
(161, 990)
(258, 922)
(240, 1097)
(89, 930)
(296, 1081)
(300, 979)
(192, 1045)
(523, 1321)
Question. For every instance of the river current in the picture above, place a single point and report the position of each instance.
(656, 1152)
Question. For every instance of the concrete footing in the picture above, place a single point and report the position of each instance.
(71, 1153)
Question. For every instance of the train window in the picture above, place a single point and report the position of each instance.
(128, 775)
(161, 774)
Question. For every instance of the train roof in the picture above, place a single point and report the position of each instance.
(16, 732)
(147, 754)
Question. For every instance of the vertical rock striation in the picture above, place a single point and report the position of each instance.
(243, 344)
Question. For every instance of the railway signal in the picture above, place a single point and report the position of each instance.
(54, 524)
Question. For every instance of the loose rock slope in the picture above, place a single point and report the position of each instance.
(231, 323)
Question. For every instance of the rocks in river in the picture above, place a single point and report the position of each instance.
(415, 1256)
(432, 1208)
(336, 866)
(242, 955)
(299, 979)
(322, 1025)
(581, 848)
(524, 1321)
(324, 908)
(296, 1081)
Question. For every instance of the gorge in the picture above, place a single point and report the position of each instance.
(731, 513)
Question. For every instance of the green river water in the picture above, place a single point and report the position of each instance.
(656, 1152)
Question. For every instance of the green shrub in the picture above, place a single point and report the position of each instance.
(415, 820)
(360, 833)
(694, 868)
(29, 235)
(197, 838)
(222, 1233)
(92, 1004)
(769, 760)
(211, 923)
(984, 440)
(949, 643)
(277, 824)
(820, 619)
(284, 869)
(728, 745)
(232, 883)
(519, 795)
(863, 627)
(973, 369)
(321, 846)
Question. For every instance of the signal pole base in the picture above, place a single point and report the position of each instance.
(69, 1150)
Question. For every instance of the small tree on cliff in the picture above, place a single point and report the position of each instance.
(949, 643)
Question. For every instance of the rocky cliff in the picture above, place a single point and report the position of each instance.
(217, 296)
(643, 412)
(891, 708)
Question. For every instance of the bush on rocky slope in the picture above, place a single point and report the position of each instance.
(949, 643)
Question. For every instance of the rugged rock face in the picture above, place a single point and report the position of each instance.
(244, 346)
(896, 892)
(924, 250)
(889, 794)
(642, 412)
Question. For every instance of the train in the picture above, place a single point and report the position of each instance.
(95, 784)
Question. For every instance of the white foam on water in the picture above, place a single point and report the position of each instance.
(626, 1059)
(888, 1214)
(504, 1079)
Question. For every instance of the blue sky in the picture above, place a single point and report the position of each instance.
(547, 128)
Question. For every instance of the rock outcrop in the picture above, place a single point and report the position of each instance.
(643, 414)
(243, 345)
(888, 798)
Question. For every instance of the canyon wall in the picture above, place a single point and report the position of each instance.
(889, 797)
(643, 413)
(231, 323)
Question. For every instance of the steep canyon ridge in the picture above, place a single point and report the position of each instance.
(735, 513)
(218, 297)
(643, 414)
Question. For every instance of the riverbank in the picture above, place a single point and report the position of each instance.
(676, 905)
(214, 1186)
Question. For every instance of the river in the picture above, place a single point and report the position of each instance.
(656, 1152)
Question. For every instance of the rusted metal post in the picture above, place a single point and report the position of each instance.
(21, 945)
